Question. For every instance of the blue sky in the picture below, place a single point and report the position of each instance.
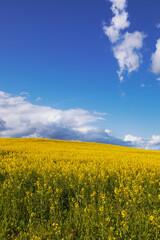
(58, 54)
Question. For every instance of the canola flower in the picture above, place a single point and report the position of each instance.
(52, 189)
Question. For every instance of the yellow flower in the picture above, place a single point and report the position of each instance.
(151, 218)
(111, 229)
(108, 219)
(32, 214)
(93, 194)
(101, 209)
(124, 214)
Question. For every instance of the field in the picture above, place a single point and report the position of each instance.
(62, 190)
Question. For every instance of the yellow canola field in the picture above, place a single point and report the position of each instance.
(52, 189)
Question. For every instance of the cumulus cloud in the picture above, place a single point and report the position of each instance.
(126, 46)
(2, 125)
(21, 119)
(152, 143)
(133, 139)
(118, 22)
(127, 52)
(108, 131)
(156, 59)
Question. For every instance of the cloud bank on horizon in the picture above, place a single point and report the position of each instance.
(153, 143)
(126, 46)
(21, 119)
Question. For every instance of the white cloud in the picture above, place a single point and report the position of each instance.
(152, 143)
(142, 85)
(112, 33)
(127, 54)
(108, 131)
(20, 118)
(154, 140)
(99, 113)
(118, 4)
(133, 139)
(118, 22)
(158, 79)
(38, 99)
(158, 25)
(126, 46)
(156, 59)
(24, 93)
